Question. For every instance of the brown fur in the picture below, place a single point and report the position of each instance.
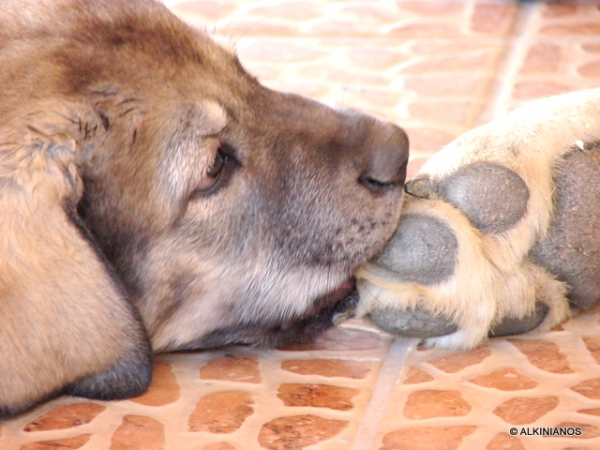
(155, 195)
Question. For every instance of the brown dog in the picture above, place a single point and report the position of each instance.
(155, 195)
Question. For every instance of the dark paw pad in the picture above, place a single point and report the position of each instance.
(423, 250)
(493, 197)
(416, 323)
(511, 325)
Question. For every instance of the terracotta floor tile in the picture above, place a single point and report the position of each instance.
(442, 438)
(530, 90)
(525, 410)
(376, 57)
(59, 444)
(297, 432)
(447, 64)
(493, 19)
(241, 368)
(591, 47)
(415, 375)
(428, 139)
(137, 432)
(589, 388)
(592, 343)
(164, 388)
(542, 57)
(505, 380)
(431, 403)
(292, 10)
(203, 11)
(317, 395)
(590, 69)
(431, 9)
(419, 30)
(328, 367)
(457, 361)
(221, 412)
(67, 416)
(504, 441)
(571, 30)
(543, 354)
(559, 9)
(454, 111)
(592, 411)
(443, 85)
(219, 446)
(587, 431)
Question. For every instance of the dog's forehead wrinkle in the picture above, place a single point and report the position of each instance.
(212, 118)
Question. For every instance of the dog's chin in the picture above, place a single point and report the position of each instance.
(327, 311)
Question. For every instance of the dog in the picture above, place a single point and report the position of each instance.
(501, 233)
(155, 197)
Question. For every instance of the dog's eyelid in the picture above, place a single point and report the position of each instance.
(230, 152)
(217, 174)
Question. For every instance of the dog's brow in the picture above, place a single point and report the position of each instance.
(212, 118)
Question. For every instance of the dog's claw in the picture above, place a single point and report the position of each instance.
(420, 186)
(345, 309)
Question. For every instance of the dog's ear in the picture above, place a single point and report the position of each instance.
(66, 325)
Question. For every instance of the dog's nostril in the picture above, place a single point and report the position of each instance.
(387, 159)
(378, 186)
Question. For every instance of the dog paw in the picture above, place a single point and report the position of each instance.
(500, 234)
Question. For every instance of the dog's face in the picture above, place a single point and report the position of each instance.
(243, 209)
(259, 204)
(141, 162)
(223, 204)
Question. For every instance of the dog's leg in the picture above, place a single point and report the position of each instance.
(521, 225)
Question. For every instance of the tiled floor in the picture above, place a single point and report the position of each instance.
(437, 68)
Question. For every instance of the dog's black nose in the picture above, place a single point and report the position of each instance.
(386, 151)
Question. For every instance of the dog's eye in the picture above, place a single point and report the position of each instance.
(213, 173)
(217, 174)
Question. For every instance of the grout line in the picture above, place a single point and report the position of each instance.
(500, 89)
(366, 434)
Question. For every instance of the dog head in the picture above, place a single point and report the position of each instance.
(225, 205)
(221, 204)
(228, 212)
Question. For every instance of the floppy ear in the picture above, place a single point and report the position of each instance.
(66, 325)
